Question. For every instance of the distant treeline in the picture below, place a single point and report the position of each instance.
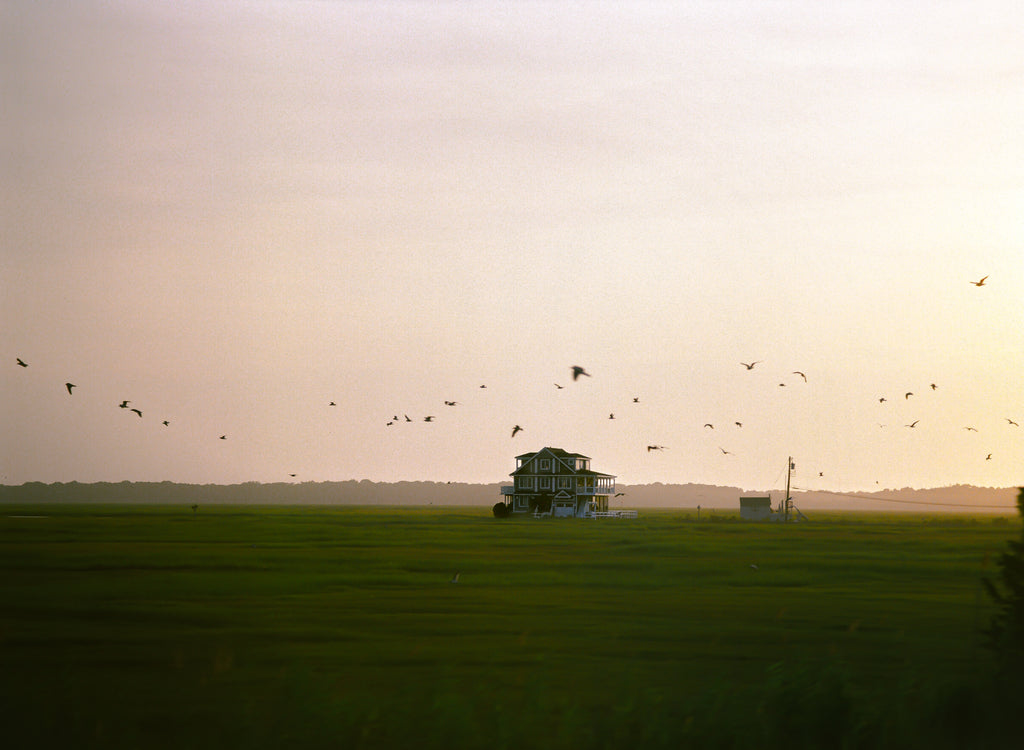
(365, 492)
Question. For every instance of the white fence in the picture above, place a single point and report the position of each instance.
(613, 514)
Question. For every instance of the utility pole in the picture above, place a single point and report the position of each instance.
(788, 501)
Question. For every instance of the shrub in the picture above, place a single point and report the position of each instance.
(501, 510)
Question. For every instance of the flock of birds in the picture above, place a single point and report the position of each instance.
(123, 405)
(576, 372)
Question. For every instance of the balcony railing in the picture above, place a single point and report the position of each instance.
(508, 489)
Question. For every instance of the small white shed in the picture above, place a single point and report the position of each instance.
(756, 508)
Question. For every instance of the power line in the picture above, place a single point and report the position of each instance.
(906, 502)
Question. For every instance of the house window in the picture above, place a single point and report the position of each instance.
(545, 483)
(545, 464)
(564, 483)
(526, 483)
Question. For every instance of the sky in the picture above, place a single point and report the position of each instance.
(234, 214)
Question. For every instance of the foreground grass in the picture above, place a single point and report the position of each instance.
(337, 627)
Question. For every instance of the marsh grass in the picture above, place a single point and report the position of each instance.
(337, 627)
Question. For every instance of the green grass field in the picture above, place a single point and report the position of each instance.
(234, 626)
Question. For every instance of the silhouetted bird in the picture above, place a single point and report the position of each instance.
(291, 475)
(908, 394)
(124, 404)
(332, 404)
(636, 399)
(559, 387)
(988, 457)
(971, 429)
(980, 282)
(406, 417)
(451, 403)
(69, 386)
(428, 419)
(137, 412)
(934, 387)
(708, 424)
(728, 453)
(483, 386)
(655, 448)
(913, 424)
(21, 362)
(751, 365)
(516, 429)
(882, 400)
(738, 424)
(797, 372)
(619, 494)
(1012, 422)
(223, 437)
(165, 423)
(611, 416)
(782, 385)
(577, 371)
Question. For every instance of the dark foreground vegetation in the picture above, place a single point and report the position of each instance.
(338, 627)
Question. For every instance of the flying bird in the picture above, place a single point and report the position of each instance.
(934, 387)
(165, 423)
(708, 424)
(516, 429)
(797, 372)
(913, 424)
(428, 419)
(655, 448)
(727, 453)
(636, 399)
(1012, 422)
(483, 386)
(739, 424)
(136, 411)
(619, 494)
(559, 387)
(908, 394)
(980, 282)
(406, 417)
(751, 365)
(69, 386)
(611, 416)
(882, 400)
(21, 362)
(577, 371)
(332, 404)
(988, 457)
(223, 437)
(970, 429)
(124, 404)
(451, 403)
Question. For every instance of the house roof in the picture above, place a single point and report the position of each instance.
(562, 455)
(557, 452)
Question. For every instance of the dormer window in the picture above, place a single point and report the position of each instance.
(545, 464)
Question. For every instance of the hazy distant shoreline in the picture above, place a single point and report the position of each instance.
(957, 498)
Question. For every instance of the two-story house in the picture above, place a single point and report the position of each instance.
(556, 482)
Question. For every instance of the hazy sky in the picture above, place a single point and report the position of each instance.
(232, 214)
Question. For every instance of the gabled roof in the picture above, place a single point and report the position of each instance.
(561, 455)
(556, 452)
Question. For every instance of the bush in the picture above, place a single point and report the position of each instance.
(1006, 631)
(501, 510)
